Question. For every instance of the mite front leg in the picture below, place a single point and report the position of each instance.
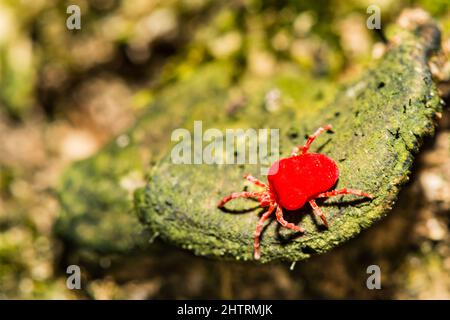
(286, 224)
(255, 181)
(257, 234)
(318, 212)
(344, 191)
(304, 149)
(234, 195)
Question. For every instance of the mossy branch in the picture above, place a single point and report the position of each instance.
(379, 122)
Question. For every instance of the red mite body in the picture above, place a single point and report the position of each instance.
(293, 182)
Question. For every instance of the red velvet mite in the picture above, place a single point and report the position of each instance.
(293, 182)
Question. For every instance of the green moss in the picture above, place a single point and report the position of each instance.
(96, 194)
(379, 122)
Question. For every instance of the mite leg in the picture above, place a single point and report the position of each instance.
(235, 195)
(310, 140)
(286, 224)
(255, 181)
(318, 212)
(344, 191)
(259, 227)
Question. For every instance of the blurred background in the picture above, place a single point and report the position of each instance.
(64, 94)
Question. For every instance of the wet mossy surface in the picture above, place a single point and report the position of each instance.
(379, 122)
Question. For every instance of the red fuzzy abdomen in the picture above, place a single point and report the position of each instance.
(296, 180)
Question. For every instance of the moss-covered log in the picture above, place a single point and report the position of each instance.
(379, 122)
